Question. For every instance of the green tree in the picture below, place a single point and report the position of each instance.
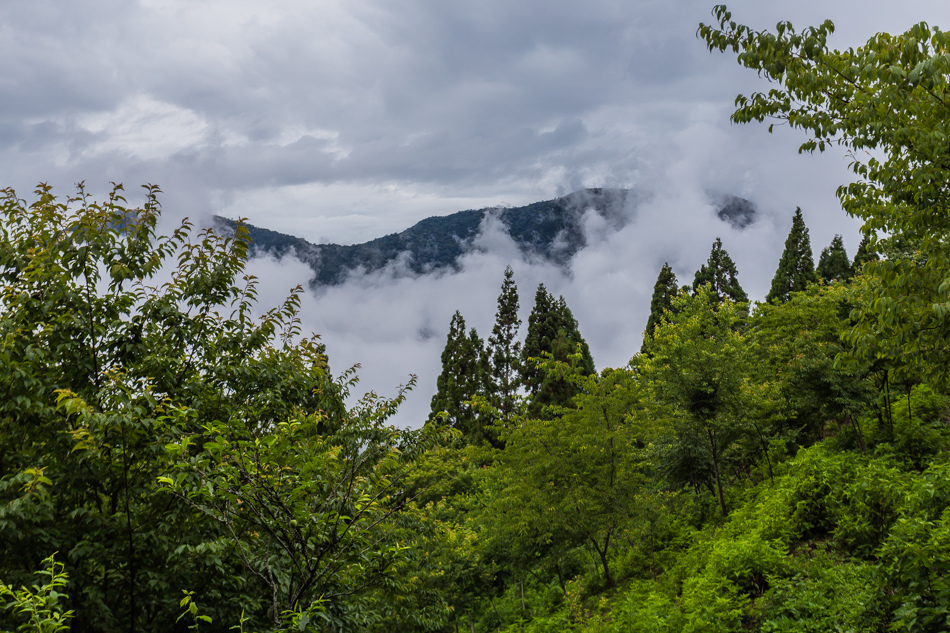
(464, 376)
(796, 268)
(834, 265)
(505, 350)
(697, 364)
(578, 479)
(664, 290)
(720, 273)
(863, 255)
(887, 103)
(116, 343)
(552, 330)
(798, 342)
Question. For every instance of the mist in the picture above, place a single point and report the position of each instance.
(394, 323)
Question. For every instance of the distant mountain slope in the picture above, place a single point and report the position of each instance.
(551, 229)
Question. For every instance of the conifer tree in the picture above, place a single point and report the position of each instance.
(863, 256)
(834, 265)
(463, 377)
(552, 329)
(720, 273)
(796, 268)
(663, 292)
(505, 350)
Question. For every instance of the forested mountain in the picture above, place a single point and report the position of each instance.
(551, 229)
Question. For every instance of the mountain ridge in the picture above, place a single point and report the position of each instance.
(549, 229)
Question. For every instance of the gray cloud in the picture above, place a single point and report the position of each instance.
(343, 120)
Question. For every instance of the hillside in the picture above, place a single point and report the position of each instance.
(550, 229)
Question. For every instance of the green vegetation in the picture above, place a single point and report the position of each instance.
(796, 268)
(664, 291)
(720, 274)
(833, 264)
(170, 460)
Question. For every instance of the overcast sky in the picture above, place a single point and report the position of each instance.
(342, 121)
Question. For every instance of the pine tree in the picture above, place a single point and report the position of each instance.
(720, 273)
(505, 350)
(834, 265)
(663, 292)
(552, 329)
(796, 268)
(863, 256)
(463, 377)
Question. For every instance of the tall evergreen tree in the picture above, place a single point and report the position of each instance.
(463, 377)
(505, 350)
(796, 268)
(834, 265)
(663, 292)
(552, 329)
(720, 273)
(863, 256)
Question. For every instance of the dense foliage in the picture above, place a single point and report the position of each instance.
(796, 268)
(171, 459)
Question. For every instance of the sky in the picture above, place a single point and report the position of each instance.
(345, 120)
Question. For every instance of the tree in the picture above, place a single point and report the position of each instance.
(887, 103)
(578, 478)
(464, 376)
(505, 349)
(720, 273)
(664, 290)
(697, 364)
(553, 331)
(863, 255)
(118, 345)
(834, 265)
(798, 342)
(796, 268)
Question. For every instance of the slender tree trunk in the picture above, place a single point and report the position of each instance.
(765, 451)
(889, 431)
(715, 458)
(608, 578)
(858, 434)
(560, 577)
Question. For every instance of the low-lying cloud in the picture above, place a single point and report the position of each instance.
(394, 323)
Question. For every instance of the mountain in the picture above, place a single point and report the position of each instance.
(551, 230)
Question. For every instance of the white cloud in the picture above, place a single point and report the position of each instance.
(143, 128)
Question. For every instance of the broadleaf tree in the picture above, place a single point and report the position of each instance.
(887, 103)
(118, 345)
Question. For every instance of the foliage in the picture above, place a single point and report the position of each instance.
(887, 103)
(798, 343)
(833, 264)
(697, 365)
(465, 374)
(115, 342)
(720, 273)
(796, 268)
(43, 605)
(505, 350)
(576, 479)
(552, 330)
(664, 290)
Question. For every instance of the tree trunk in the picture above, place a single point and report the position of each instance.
(608, 579)
(715, 458)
